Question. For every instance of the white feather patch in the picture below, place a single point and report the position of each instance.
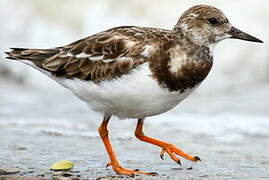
(96, 58)
(82, 55)
(147, 50)
(135, 95)
(193, 15)
(184, 26)
(177, 59)
(212, 48)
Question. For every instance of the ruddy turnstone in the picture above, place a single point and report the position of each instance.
(136, 72)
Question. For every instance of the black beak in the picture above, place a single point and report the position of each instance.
(237, 34)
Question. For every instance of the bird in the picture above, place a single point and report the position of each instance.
(134, 72)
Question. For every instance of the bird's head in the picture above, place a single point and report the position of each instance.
(206, 25)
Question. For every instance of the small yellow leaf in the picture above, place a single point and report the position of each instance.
(62, 165)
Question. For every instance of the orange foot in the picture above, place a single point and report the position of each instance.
(122, 171)
(166, 147)
(171, 149)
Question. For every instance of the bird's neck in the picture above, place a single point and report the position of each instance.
(195, 36)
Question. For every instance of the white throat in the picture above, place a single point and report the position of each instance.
(212, 48)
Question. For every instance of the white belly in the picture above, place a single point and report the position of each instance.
(135, 95)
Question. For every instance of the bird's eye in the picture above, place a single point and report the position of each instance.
(213, 21)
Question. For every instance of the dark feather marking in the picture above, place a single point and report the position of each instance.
(189, 75)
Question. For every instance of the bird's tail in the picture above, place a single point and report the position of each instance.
(36, 56)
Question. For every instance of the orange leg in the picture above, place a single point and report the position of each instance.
(166, 147)
(113, 160)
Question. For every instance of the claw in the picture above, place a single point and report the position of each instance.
(108, 164)
(171, 150)
(179, 162)
(162, 154)
(197, 158)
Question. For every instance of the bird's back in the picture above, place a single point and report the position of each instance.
(103, 56)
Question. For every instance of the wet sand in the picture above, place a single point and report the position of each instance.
(31, 156)
(38, 129)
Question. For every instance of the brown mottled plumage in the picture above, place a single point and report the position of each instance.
(115, 52)
(108, 46)
(136, 72)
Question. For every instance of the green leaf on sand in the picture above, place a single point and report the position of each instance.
(62, 165)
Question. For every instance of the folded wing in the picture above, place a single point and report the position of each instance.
(103, 56)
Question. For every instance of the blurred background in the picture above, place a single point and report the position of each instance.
(231, 106)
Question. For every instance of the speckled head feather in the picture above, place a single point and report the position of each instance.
(204, 24)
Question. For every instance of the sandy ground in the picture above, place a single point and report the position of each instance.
(32, 156)
(38, 129)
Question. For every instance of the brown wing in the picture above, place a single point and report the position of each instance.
(103, 56)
